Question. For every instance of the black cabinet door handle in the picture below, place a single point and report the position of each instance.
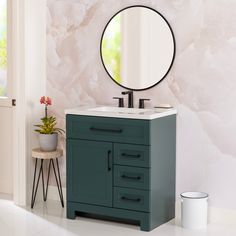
(109, 160)
(131, 177)
(131, 155)
(106, 130)
(131, 199)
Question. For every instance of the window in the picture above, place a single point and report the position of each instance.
(3, 48)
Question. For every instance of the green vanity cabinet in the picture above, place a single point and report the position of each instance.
(121, 168)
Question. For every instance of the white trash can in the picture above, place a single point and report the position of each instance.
(194, 210)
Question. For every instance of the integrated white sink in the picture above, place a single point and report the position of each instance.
(122, 112)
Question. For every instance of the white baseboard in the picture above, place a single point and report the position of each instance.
(6, 196)
(178, 209)
(53, 193)
(5, 187)
(215, 215)
(221, 215)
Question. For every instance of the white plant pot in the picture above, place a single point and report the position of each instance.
(48, 142)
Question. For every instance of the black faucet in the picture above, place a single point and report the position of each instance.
(130, 98)
(141, 102)
(121, 101)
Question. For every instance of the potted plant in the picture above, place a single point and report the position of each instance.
(48, 133)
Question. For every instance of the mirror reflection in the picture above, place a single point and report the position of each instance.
(137, 48)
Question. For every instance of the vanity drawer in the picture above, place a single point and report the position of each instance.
(131, 177)
(108, 129)
(131, 199)
(131, 155)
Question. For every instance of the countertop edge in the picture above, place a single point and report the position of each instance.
(84, 112)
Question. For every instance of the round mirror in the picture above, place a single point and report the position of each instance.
(137, 47)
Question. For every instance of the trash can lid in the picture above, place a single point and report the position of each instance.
(194, 195)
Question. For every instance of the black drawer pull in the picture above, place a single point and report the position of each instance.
(106, 130)
(109, 160)
(131, 155)
(131, 199)
(131, 177)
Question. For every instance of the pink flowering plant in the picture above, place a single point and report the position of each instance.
(48, 125)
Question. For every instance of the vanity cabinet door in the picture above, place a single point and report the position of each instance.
(89, 172)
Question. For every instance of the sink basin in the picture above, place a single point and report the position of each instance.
(122, 112)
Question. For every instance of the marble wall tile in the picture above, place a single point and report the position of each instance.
(201, 84)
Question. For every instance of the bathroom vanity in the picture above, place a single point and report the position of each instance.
(121, 164)
(121, 161)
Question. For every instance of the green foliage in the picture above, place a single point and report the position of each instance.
(48, 126)
(3, 46)
(3, 53)
(2, 91)
(3, 38)
(111, 47)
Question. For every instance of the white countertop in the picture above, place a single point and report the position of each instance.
(117, 112)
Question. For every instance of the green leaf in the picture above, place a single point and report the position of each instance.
(48, 126)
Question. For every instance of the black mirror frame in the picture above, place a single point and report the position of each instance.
(173, 52)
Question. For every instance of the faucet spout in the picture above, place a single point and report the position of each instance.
(130, 98)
